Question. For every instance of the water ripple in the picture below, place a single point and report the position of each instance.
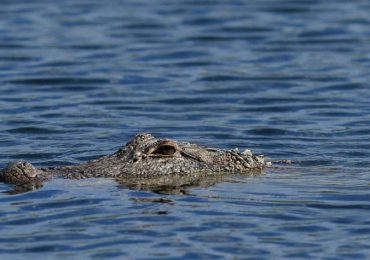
(288, 79)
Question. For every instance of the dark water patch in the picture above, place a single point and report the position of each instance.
(39, 194)
(288, 8)
(84, 158)
(128, 107)
(17, 58)
(30, 156)
(193, 199)
(273, 109)
(227, 78)
(100, 56)
(141, 25)
(284, 217)
(209, 213)
(190, 64)
(78, 23)
(194, 255)
(47, 248)
(55, 162)
(149, 37)
(233, 37)
(229, 225)
(91, 47)
(305, 228)
(222, 78)
(316, 162)
(216, 90)
(318, 42)
(178, 55)
(267, 234)
(333, 114)
(185, 101)
(208, 38)
(107, 254)
(51, 115)
(239, 250)
(46, 238)
(343, 87)
(145, 233)
(273, 100)
(340, 207)
(298, 255)
(115, 242)
(7, 37)
(245, 29)
(34, 131)
(152, 217)
(192, 229)
(77, 88)
(357, 123)
(261, 204)
(354, 154)
(323, 33)
(173, 244)
(105, 102)
(142, 80)
(62, 204)
(355, 20)
(204, 21)
(200, 3)
(13, 46)
(53, 217)
(61, 63)
(275, 58)
(359, 231)
(270, 131)
(59, 81)
(215, 239)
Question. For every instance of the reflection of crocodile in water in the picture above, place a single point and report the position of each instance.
(145, 158)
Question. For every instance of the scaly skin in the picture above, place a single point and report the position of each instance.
(144, 157)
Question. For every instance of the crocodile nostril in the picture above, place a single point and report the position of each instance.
(137, 156)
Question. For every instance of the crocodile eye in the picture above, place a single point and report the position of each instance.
(165, 150)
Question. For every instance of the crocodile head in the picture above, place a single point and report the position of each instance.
(148, 156)
(145, 157)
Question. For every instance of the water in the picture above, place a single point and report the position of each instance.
(288, 79)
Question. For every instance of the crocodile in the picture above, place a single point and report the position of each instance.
(145, 157)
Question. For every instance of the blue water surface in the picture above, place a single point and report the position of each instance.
(288, 79)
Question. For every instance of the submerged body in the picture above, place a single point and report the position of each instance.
(144, 157)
